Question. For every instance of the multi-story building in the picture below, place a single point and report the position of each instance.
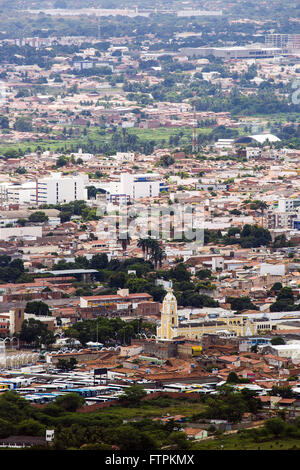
(235, 52)
(11, 322)
(16, 193)
(131, 187)
(119, 301)
(288, 205)
(285, 215)
(278, 219)
(212, 186)
(60, 189)
(289, 42)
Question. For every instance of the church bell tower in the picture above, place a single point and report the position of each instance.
(167, 329)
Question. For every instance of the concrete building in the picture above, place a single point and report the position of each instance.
(60, 189)
(16, 193)
(11, 217)
(212, 186)
(124, 156)
(235, 52)
(224, 144)
(288, 42)
(252, 152)
(11, 322)
(117, 301)
(277, 219)
(287, 350)
(192, 12)
(131, 187)
(8, 233)
(287, 205)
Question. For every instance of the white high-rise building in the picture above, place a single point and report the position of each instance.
(57, 189)
(131, 187)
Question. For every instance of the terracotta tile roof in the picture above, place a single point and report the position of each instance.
(287, 400)
(193, 431)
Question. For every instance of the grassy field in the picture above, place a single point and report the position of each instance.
(53, 145)
(164, 133)
(157, 135)
(149, 410)
(234, 442)
(279, 117)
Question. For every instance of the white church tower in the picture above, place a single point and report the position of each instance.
(167, 329)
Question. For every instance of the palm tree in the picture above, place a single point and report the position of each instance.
(148, 245)
(260, 206)
(153, 245)
(125, 240)
(157, 254)
(142, 244)
(161, 256)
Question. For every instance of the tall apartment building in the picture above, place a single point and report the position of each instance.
(278, 219)
(57, 189)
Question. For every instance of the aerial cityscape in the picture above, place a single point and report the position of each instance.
(149, 227)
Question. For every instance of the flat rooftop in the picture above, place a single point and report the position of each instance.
(71, 271)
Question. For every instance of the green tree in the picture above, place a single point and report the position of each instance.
(35, 331)
(134, 394)
(70, 401)
(14, 408)
(67, 365)
(232, 378)
(38, 217)
(6, 428)
(180, 440)
(241, 303)
(203, 274)
(37, 307)
(128, 438)
(166, 161)
(31, 427)
(282, 391)
(274, 426)
(61, 161)
(277, 286)
(118, 280)
(278, 340)
(23, 124)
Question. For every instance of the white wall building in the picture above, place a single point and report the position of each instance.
(288, 350)
(272, 269)
(60, 189)
(16, 193)
(7, 233)
(124, 156)
(287, 205)
(131, 187)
